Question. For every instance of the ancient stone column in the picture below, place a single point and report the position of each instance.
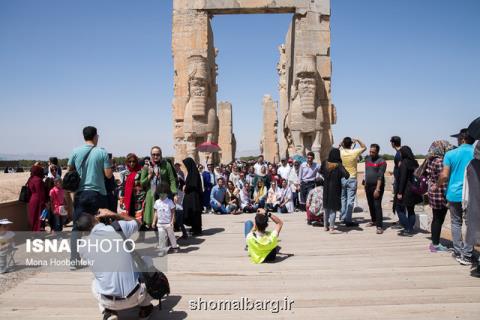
(226, 138)
(269, 142)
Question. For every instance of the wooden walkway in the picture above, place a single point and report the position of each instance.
(352, 275)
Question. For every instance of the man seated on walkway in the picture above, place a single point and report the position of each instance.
(218, 197)
(116, 285)
(262, 244)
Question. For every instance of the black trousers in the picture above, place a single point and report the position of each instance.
(375, 205)
(437, 222)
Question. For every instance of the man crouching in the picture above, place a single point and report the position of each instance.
(262, 244)
(116, 285)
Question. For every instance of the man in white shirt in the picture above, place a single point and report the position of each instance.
(258, 165)
(284, 169)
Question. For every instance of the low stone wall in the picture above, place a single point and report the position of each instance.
(16, 212)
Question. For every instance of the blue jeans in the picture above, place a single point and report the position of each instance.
(218, 208)
(349, 191)
(329, 218)
(248, 226)
(463, 248)
(406, 216)
(86, 201)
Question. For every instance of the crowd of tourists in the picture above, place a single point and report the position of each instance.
(157, 194)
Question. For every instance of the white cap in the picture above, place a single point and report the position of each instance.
(5, 221)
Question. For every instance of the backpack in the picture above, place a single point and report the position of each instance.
(71, 180)
(419, 183)
(155, 281)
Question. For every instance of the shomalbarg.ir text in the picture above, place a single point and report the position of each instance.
(241, 304)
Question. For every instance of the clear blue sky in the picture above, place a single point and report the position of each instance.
(409, 68)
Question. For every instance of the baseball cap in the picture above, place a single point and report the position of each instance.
(464, 130)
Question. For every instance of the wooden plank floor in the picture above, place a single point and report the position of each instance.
(352, 275)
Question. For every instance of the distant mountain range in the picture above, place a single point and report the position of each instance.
(23, 156)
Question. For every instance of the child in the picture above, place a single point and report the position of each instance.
(140, 195)
(165, 215)
(57, 198)
(6, 244)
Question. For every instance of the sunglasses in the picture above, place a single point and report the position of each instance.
(155, 154)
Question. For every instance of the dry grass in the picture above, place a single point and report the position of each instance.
(11, 184)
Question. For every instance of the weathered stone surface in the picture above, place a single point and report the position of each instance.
(269, 144)
(226, 138)
(305, 71)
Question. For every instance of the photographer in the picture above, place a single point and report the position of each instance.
(116, 285)
(262, 244)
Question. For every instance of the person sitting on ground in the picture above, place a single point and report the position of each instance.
(218, 197)
(260, 194)
(246, 203)
(118, 288)
(164, 218)
(262, 244)
(314, 205)
(273, 197)
(232, 198)
(286, 199)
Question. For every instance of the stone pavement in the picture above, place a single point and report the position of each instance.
(350, 275)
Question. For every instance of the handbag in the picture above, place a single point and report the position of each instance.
(71, 180)
(155, 281)
(62, 211)
(24, 194)
(419, 183)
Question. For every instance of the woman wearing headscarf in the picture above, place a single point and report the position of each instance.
(405, 196)
(332, 171)
(436, 194)
(129, 176)
(471, 204)
(38, 195)
(192, 201)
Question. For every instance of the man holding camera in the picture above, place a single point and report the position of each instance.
(116, 285)
(262, 244)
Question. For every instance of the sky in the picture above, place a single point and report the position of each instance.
(409, 68)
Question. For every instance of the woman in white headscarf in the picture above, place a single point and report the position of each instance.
(471, 202)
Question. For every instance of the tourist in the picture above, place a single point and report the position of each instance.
(112, 188)
(235, 175)
(396, 143)
(192, 201)
(332, 172)
(37, 201)
(154, 172)
(262, 244)
(273, 197)
(7, 244)
(129, 177)
(262, 177)
(54, 161)
(307, 174)
(180, 176)
(405, 196)
(119, 288)
(218, 197)
(250, 177)
(471, 203)
(209, 180)
(91, 194)
(314, 205)
(259, 165)
(350, 156)
(284, 169)
(274, 176)
(232, 198)
(454, 164)
(436, 193)
(57, 205)
(53, 172)
(246, 202)
(164, 209)
(294, 180)
(260, 194)
(241, 181)
(375, 167)
(286, 200)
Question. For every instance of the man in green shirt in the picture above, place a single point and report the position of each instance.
(262, 244)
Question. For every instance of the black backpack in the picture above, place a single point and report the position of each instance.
(71, 180)
(156, 281)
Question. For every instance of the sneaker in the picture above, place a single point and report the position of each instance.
(432, 248)
(174, 250)
(145, 312)
(455, 255)
(476, 272)
(441, 248)
(405, 233)
(379, 230)
(309, 222)
(109, 315)
(465, 261)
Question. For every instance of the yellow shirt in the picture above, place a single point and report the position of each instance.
(350, 160)
(260, 245)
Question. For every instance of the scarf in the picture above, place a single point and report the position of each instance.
(439, 148)
(130, 182)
